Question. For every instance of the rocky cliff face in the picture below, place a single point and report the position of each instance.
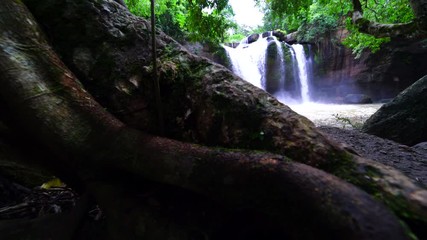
(380, 75)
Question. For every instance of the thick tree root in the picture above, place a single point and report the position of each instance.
(59, 113)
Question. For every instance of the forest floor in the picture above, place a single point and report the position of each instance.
(410, 160)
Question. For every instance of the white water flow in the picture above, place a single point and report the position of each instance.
(302, 71)
(248, 60)
(282, 65)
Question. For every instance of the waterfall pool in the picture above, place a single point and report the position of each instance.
(336, 115)
(288, 77)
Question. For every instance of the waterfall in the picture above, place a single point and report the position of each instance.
(248, 60)
(254, 63)
(282, 65)
(302, 71)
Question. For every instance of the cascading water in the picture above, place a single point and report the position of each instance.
(282, 65)
(285, 71)
(249, 61)
(303, 71)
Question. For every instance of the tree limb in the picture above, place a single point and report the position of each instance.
(411, 30)
(210, 104)
(70, 122)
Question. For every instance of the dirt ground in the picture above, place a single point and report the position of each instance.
(410, 160)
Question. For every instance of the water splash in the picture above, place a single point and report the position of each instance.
(325, 114)
(249, 62)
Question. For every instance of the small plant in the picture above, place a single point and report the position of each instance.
(345, 121)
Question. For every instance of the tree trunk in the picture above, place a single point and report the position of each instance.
(206, 103)
(49, 104)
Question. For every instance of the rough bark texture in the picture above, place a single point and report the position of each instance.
(59, 113)
(404, 119)
(108, 49)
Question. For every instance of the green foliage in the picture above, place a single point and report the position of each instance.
(170, 15)
(206, 20)
(55, 182)
(321, 18)
(316, 27)
(313, 18)
(203, 25)
(235, 37)
(383, 11)
(360, 42)
(386, 11)
(281, 8)
(289, 22)
(345, 121)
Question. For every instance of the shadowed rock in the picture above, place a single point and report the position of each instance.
(404, 119)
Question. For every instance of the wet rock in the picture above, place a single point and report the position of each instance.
(403, 119)
(253, 38)
(385, 100)
(232, 45)
(83, 59)
(279, 35)
(422, 147)
(270, 38)
(267, 34)
(357, 99)
(291, 38)
(380, 75)
(410, 160)
(271, 79)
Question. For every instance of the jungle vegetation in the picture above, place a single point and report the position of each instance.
(212, 21)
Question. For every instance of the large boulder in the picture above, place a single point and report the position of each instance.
(404, 119)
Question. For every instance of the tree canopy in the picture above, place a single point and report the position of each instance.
(383, 11)
(204, 20)
(195, 20)
(328, 15)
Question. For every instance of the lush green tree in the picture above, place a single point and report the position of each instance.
(370, 22)
(384, 11)
(209, 20)
(170, 14)
(195, 20)
(381, 11)
(324, 15)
